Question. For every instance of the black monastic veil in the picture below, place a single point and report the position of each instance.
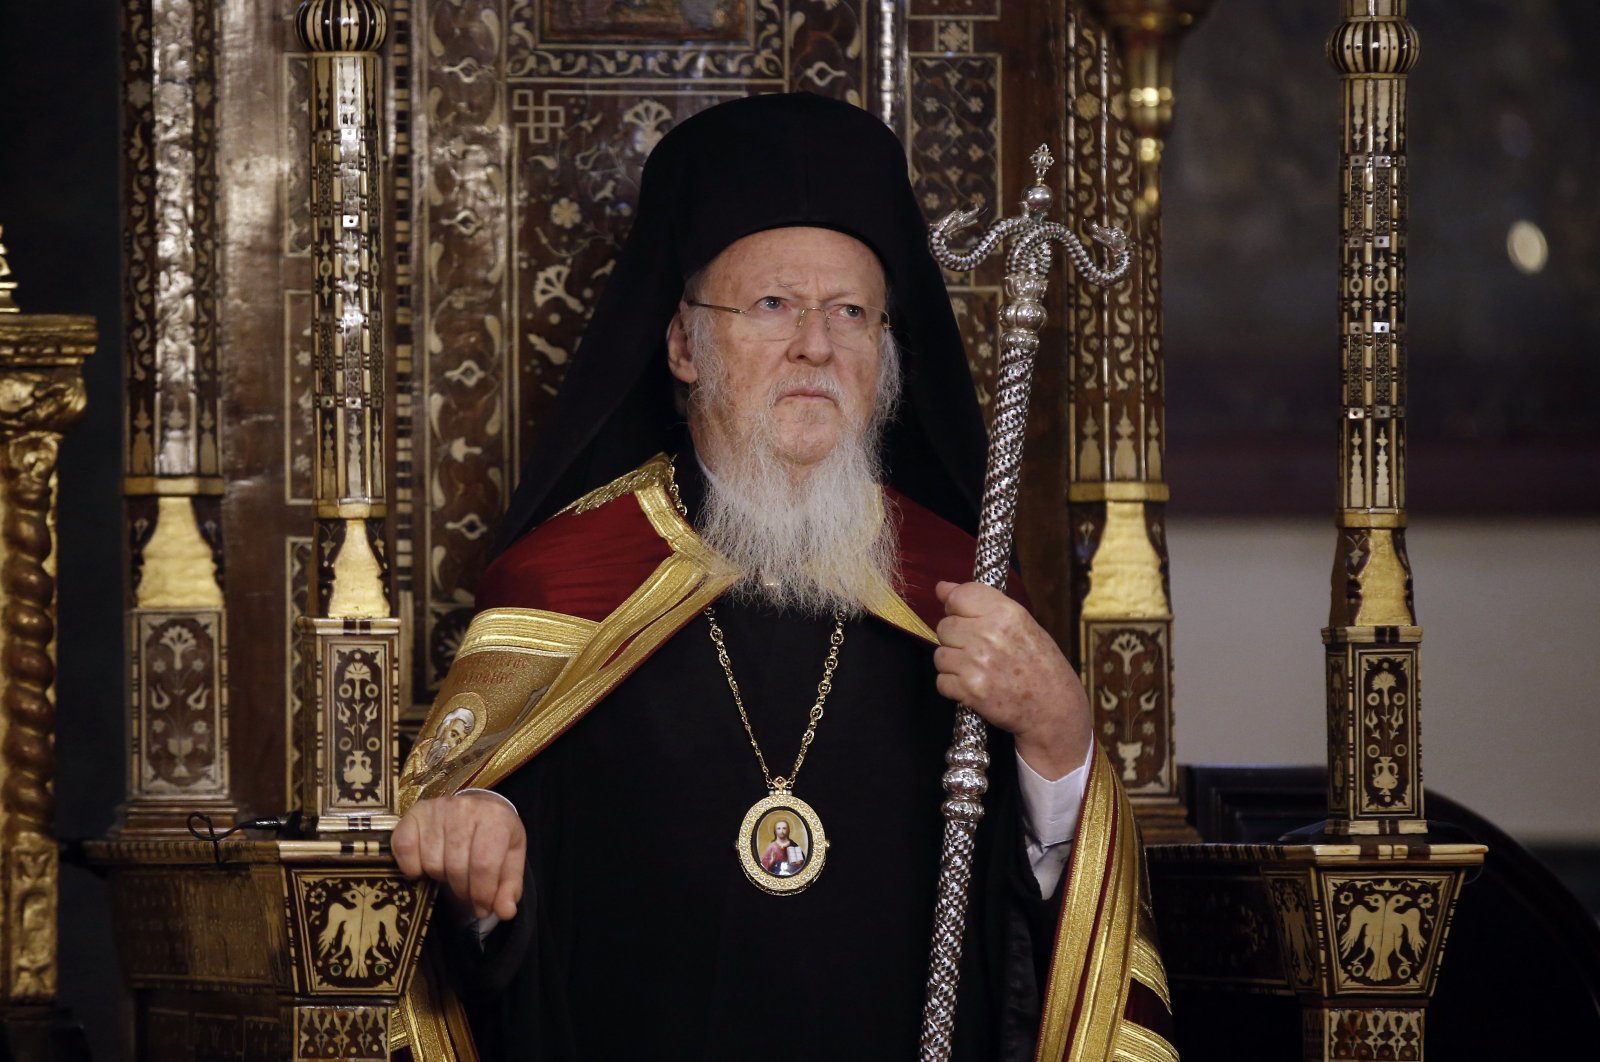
(758, 163)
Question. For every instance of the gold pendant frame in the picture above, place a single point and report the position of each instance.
(751, 843)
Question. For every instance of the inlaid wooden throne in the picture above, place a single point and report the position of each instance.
(363, 239)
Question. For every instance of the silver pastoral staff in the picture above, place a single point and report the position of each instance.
(1027, 266)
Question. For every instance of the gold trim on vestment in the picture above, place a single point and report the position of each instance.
(1144, 961)
(1089, 961)
(661, 509)
(508, 659)
(657, 471)
(526, 630)
(674, 592)
(1135, 1043)
(433, 1022)
(1105, 998)
(1146, 967)
(882, 601)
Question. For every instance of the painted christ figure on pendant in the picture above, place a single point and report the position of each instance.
(784, 856)
(785, 849)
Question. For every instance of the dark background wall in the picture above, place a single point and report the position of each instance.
(1505, 375)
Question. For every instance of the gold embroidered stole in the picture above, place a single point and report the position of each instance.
(1104, 936)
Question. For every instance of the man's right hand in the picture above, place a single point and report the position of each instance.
(473, 843)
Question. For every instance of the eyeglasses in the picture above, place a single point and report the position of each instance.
(776, 317)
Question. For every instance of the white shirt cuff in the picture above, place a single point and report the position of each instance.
(484, 926)
(1050, 812)
(490, 793)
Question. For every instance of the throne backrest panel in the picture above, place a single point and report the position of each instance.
(518, 130)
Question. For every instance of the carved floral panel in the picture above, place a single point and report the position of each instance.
(1386, 732)
(1128, 679)
(1370, 1033)
(180, 724)
(341, 1034)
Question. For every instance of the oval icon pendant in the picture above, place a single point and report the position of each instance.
(781, 845)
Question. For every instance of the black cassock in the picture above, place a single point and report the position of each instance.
(639, 935)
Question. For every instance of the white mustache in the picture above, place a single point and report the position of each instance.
(805, 381)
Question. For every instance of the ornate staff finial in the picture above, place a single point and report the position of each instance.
(1042, 161)
(7, 286)
(1027, 268)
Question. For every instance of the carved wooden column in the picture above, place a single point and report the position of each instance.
(1121, 81)
(1372, 637)
(351, 635)
(291, 948)
(41, 395)
(178, 726)
(1364, 911)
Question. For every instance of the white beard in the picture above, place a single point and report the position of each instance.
(818, 545)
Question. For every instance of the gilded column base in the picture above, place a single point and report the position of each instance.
(1125, 645)
(285, 950)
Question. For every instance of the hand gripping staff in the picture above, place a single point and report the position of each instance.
(1027, 265)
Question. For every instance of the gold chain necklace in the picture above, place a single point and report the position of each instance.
(825, 687)
(781, 844)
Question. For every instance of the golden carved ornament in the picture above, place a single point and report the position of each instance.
(31, 398)
(1125, 575)
(357, 591)
(178, 569)
(1149, 32)
(41, 394)
(1385, 583)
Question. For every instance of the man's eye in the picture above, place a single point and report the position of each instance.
(849, 311)
(769, 303)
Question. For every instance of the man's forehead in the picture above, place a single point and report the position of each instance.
(798, 258)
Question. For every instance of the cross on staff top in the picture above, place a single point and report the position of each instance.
(1042, 161)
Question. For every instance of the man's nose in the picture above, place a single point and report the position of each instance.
(813, 341)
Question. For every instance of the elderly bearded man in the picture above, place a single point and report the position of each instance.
(734, 587)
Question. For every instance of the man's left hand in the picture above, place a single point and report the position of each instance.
(994, 658)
